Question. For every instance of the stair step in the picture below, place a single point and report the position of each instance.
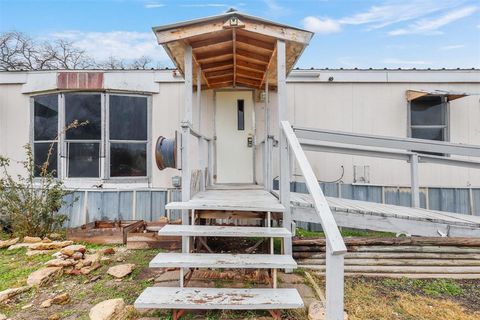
(218, 298)
(225, 205)
(217, 260)
(223, 231)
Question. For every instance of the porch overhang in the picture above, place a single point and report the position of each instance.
(232, 49)
(415, 94)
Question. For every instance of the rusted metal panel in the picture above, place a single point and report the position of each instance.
(80, 80)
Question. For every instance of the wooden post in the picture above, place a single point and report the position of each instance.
(415, 189)
(284, 154)
(187, 122)
(334, 277)
(267, 175)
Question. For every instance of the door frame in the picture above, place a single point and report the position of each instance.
(254, 128)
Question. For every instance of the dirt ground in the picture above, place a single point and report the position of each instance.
(365, 299)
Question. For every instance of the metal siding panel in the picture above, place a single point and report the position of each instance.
(434, 196)
(125, 202)
(447, 199)
(76, 211)
(347, 191)
(143, 206)
(330, 189)
(159, 199)
(95, 206)
(176, 195)
(110, 205)
(462, 201)
(476, 201)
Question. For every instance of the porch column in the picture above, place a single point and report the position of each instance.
(186, 123)
(284, 153)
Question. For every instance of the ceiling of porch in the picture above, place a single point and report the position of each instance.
(232, 49)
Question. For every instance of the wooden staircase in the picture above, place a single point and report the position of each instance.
(187, 298)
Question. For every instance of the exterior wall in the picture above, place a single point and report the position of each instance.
(363, 101)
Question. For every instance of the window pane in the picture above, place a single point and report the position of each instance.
(45, 117)
(128, 118)
(240, 115)
(83, 107)
(40, 152)
(428, 133)
(128, 159)
(83, 160)
(428, 111)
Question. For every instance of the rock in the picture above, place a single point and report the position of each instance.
(38, 252)
(46, 240)
(10, 293)
(27, 306)
(163, 220)
(3, 317)
(60, 263)
(20, 245)
(108, 251)
(55, 316)
(71, 249)
(87, 270)
(50, 245)
(32, 239)
(90, 259)
(168, 276)
(121, 270)
(43, 276)
(46, 304)
(108, 310)
(8, 243)
(316, 311)
(61, 299)
(55, 236)
(77, 256)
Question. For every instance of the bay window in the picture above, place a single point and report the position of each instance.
(112, 142)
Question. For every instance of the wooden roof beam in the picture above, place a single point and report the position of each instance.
(254, 42)
(218, 65)
(213, 54)
(226, 78)
(246, 81)
(211, 41)
(253, 56)
(251, 65)
(219, 73)
(250, 74)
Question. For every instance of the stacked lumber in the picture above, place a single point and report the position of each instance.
(413, 257)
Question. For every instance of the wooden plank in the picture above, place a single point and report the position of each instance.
(223, 260)
(218, 73)
(397, 262)
(223, 231)
(357, 241)
(218, 298)
(211, 41)
(214, 54)
(253, 56)
(246, 73)
(252, 42)
(247, 81)
(404, 269)
(221, 79)
(219, 65)
(250, 65)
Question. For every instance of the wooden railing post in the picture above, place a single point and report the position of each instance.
(334, 277)
(415, 188)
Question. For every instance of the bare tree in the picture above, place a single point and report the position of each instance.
(112, 63)
(20, 52)
(142, 63)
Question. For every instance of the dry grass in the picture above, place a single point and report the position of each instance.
(366, 300)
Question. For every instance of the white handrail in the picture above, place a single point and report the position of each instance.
(333, 236)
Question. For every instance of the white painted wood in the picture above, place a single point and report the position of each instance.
(415, 187)
(186, 166)
(234, 157)
(223, 231)
(323, 211)
(334, 285)
(233, 200)
(284, 157)
(215, 260)
(218, 298)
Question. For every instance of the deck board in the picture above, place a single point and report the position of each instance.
(222, 231)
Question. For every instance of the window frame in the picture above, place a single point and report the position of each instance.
(446, 126)
(104, 149)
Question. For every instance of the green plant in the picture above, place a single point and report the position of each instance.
(30, 203)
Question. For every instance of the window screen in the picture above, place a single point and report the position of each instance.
(128, 134)
(240, 115)
(45, 133)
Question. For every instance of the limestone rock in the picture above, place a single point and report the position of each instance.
(43, 276)
(71, 249)
(316, 311)
(60, 263)
(61, 299)
(32, 239)
(108, 251)
(87, 270)
(46, 304)
(90, 259)
(121, 270)
(38, 252)
(55, 316)
(50, 245)
(55, 236)
(77, 256)
(8, 243)
(12, 292)
(21, 245)
(108, 310)
(3, 317)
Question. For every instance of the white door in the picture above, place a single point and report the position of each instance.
(234, 131)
